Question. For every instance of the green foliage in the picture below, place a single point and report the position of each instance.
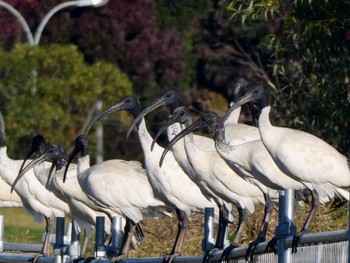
(254, 10)
(309, 47)
(342, 214)
(52, 91)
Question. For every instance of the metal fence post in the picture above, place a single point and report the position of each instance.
(74, 247)
(117, 234)
(1, 233)
(208, 241)
(100, 250)
(285, 226)
(59, 243)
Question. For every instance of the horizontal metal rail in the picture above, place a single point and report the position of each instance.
(306, 240)
(321, 247)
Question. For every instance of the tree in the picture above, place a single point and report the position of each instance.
(60, 99)
(309, 47)
(123, 32)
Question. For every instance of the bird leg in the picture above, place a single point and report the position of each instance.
(223, 222)
(84, 244)
(130, 229)
(180, 236)
(45, 248)
(315, 202)
(220, 238)
(242, 218)
(263, 229)
(108, 240)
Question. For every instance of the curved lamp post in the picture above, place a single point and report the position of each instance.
(34, 41)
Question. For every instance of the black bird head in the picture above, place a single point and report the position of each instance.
(170, 98)
(128, 103)
(38, 147)
(55, 153)
(208, 121)
(81, 144)
(181, 114)
(257, 93)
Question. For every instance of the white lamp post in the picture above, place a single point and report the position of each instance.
(34, 41)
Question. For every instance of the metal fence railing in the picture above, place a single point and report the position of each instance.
(335, 252)
(322, 247)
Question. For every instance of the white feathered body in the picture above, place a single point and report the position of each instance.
(220, 178)
(304, 157)
(121, 186)
(169, 182)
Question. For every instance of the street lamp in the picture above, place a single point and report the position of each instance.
(34, 41)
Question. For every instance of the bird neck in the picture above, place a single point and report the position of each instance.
(145, 137)
(264, 120)
(233, 117)
(219, 135)
(264, 101)
(136, 112)
(3, 155)
(84, 151)
(83, 164)
(189, 143)
(173, 130)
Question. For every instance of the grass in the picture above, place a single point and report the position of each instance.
(20, 227)
(160, 233)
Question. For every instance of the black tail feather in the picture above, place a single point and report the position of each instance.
(139, 233)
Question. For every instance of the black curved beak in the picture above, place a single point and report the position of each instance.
(253, 113)
(53, 165)
(111, 109)
(248, 97)
(156, 104)
(197, 125)
(170, 121)
(32, 150)
(75, 151)
(29, 166)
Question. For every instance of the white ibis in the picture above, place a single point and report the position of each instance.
(119, 185)
(302, 156)
(41, 171)
(212, 169)
(172, 99)
(251, 156)
(236, 133)
(36, 199)
(83, 210)
(169, 183)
